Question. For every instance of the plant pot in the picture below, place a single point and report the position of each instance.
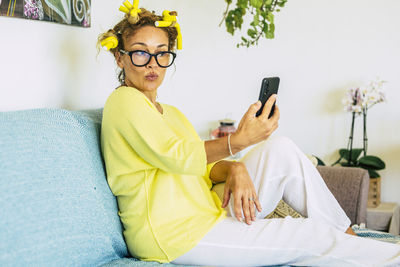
(374, 192)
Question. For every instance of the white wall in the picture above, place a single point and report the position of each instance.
(321, 49)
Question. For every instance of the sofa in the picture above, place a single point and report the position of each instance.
(56, 208)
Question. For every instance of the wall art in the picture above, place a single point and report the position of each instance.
(71, 12)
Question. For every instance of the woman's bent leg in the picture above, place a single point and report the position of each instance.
(280, 170)
(300, 242)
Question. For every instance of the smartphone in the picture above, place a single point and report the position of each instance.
(269, 86)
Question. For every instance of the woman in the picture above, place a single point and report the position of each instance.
(162, 173)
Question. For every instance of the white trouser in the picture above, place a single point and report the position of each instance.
(280, 170)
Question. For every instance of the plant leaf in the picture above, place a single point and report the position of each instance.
(372, 162)
(320, 162)
(229, 27)
(242, 4)
(238, 18)
(356, 152)
(256, 19)
(270, 17)
(272, 29)
(373, 174)
(252, 33)
(256, 3)
(344, 153)
(346, 164)
(265, 28)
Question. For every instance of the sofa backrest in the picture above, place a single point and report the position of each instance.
(350, 186)
(55, 204)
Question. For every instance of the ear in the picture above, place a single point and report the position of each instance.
(118, 59)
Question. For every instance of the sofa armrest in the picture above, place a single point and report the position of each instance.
(350, 187)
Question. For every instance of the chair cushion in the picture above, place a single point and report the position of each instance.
(376, 235)
(56, 206)
(133, 262)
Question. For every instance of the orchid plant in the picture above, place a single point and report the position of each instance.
(363, 98)
(358, 101)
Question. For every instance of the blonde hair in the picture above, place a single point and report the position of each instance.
(129, 26)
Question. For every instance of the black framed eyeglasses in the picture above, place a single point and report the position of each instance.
(141, 58)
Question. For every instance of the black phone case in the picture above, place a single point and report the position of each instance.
(269, 86)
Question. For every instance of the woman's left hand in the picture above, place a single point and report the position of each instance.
(239, 183)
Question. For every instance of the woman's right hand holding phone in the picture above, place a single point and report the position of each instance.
(252, 129)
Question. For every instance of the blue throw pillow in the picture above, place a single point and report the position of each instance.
(55, 204)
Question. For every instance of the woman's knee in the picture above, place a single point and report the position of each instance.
(279, 149)
(279, 143)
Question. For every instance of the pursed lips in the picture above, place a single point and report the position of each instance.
(151, 76)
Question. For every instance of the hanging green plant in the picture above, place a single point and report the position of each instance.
(262, 25)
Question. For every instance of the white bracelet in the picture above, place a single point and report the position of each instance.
(229, 145)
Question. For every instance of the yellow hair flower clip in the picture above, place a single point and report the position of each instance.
(131, 11)
(109, 43)
(169, 20)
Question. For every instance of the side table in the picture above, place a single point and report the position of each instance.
(385, 217)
